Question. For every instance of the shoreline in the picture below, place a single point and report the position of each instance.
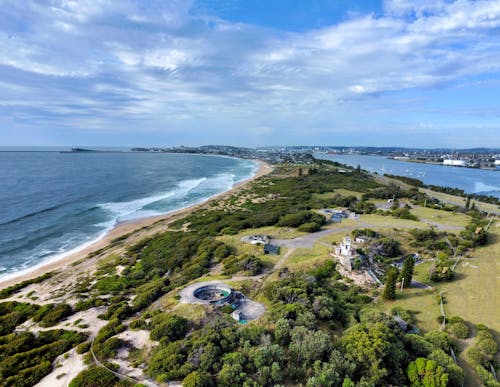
(124, 229)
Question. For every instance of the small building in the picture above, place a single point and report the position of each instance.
(344, 249)
(347, 256)
(361, 239)
(271, 249)
(334, 216)
(236, 315)
(337, 218)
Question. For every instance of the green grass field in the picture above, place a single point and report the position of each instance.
(473, 295)
(457, 200)
(303, 255)
(445, 218)
(340, 191)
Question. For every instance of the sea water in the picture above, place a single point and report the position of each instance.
(53, 203)
(471, 180)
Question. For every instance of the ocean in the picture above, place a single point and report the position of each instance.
(471, 180)
(52, 204)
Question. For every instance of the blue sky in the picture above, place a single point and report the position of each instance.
(276, 72)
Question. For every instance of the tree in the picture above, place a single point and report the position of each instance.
(170, 326)
(390, 285)
(407, 271)
(282, 331)
(377, 352)
(426, 373)
(308, 346)
(358, 169)
(467, 203)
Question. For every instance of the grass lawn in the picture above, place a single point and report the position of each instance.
(340, 191)
(193, 312)
(421, 273)
(421, 302)
(384, 222)
(457, 200)
(302, 255)
(445, 218)
(247, 248)
(473, 295)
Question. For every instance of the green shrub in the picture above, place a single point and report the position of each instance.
(94, 376)
(167, 326)
(50, 314)
(457, 327)
(197, 379)
(83, 347)
(138, 324)
(309, 227)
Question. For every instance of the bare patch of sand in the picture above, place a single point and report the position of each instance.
(66, 367)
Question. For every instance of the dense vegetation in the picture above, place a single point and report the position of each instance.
(318, 330)
(480, 356)
(26, 358)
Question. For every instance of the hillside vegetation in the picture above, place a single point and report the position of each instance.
(322, 326)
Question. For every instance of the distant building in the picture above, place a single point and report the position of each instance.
(455, 163)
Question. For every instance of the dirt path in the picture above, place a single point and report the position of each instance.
(282, 260)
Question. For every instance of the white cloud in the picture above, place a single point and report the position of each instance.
(125, 59)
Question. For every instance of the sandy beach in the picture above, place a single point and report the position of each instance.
(137, 229)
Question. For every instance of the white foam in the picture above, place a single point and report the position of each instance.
(221, 182)
(51, 259)
(132, 209)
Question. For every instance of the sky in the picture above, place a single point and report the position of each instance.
(421, 73)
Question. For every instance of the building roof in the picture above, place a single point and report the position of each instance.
(271, 249)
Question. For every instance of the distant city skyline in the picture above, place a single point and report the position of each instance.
(164, 73)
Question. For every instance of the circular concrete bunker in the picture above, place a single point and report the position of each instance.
(216, 294)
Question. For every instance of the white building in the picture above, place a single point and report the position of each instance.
(455, 163)
(361, 239)
(344, 249)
